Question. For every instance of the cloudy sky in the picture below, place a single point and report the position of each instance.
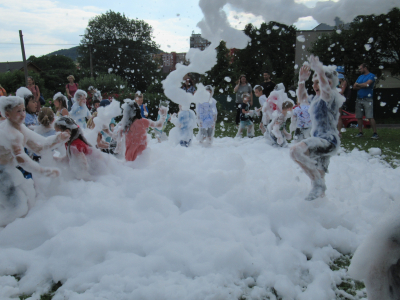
(50, 25)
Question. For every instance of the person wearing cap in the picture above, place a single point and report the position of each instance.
(70, 90)
(364, 103)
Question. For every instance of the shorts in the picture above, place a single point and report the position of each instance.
(321, 150)
(364, 107)
(206, 132)
(244, 124)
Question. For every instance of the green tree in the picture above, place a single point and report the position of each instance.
(55, 69)
(216, 76)
(121, 46)
(11, 81)
(271, 49)
(371, 39)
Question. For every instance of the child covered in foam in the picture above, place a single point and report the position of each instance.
(246, 121)
(83, 160)
(313, 154)
(17, 195)
(79, 111)
(160, 133)
(207, 116)
(276, 130)
(301, 120)
(184, 123)
(133, 130)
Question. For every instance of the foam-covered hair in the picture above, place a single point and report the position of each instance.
(60, 95)
(130, 114)
(8, 103)
(78, 94)
(210, 88)
(23, 93)
(331, 74)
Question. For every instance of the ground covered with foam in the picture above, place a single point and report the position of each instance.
(225, 222)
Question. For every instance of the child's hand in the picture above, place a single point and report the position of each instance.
(163, 111)
(304, 73)
(315, 64)
(50, 172)
(288, 136)
(63, 137)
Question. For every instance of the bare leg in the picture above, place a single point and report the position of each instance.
(262, 128)
(360, 125)
(301, 155)
(373, 124)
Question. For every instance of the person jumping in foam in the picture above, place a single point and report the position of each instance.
(313, 154)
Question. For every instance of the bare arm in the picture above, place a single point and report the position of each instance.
(163, 115)
(64, 112)
(358, 86)
(38, 143)
(304, 74)
(343, 88)
(324, 86)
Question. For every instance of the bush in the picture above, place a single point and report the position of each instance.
(12, 81)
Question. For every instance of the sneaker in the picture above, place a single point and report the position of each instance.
(375, 136)
(360, 134)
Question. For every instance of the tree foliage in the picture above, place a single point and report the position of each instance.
(121, 46)
(11, 81)
(55, 70)
(216, 76)
(372, 39)
(271, 50)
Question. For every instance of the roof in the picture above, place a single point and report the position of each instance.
(10, 66)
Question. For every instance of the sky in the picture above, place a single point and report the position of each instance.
(49, 25)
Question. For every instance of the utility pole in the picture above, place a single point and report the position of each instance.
(91, 62)
(24, 57)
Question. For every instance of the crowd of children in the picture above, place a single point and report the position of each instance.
(28, 139)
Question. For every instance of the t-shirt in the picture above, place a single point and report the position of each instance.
(31, 120)
(268, 87)
(324, 118)
(205, 114)
(262, 99)
(72, 88)
(302, 115)
(241, 90)
(246, 107)
(366, 92)
(80, 145)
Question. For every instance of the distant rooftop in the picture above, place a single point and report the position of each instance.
(338, 22)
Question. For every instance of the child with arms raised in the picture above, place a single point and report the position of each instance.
(313, 154)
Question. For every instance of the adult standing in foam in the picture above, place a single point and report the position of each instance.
(242, 86)
(207, 116)
(313, 154)
(268, 85)
(364, 103)
(71, 89)
(134, 129)
(79, 111)
(17, 195)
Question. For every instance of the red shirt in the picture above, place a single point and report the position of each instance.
(80, 146)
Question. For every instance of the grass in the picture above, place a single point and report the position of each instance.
(348, 288)
(388, 142)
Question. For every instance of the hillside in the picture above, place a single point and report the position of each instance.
(71, 52)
